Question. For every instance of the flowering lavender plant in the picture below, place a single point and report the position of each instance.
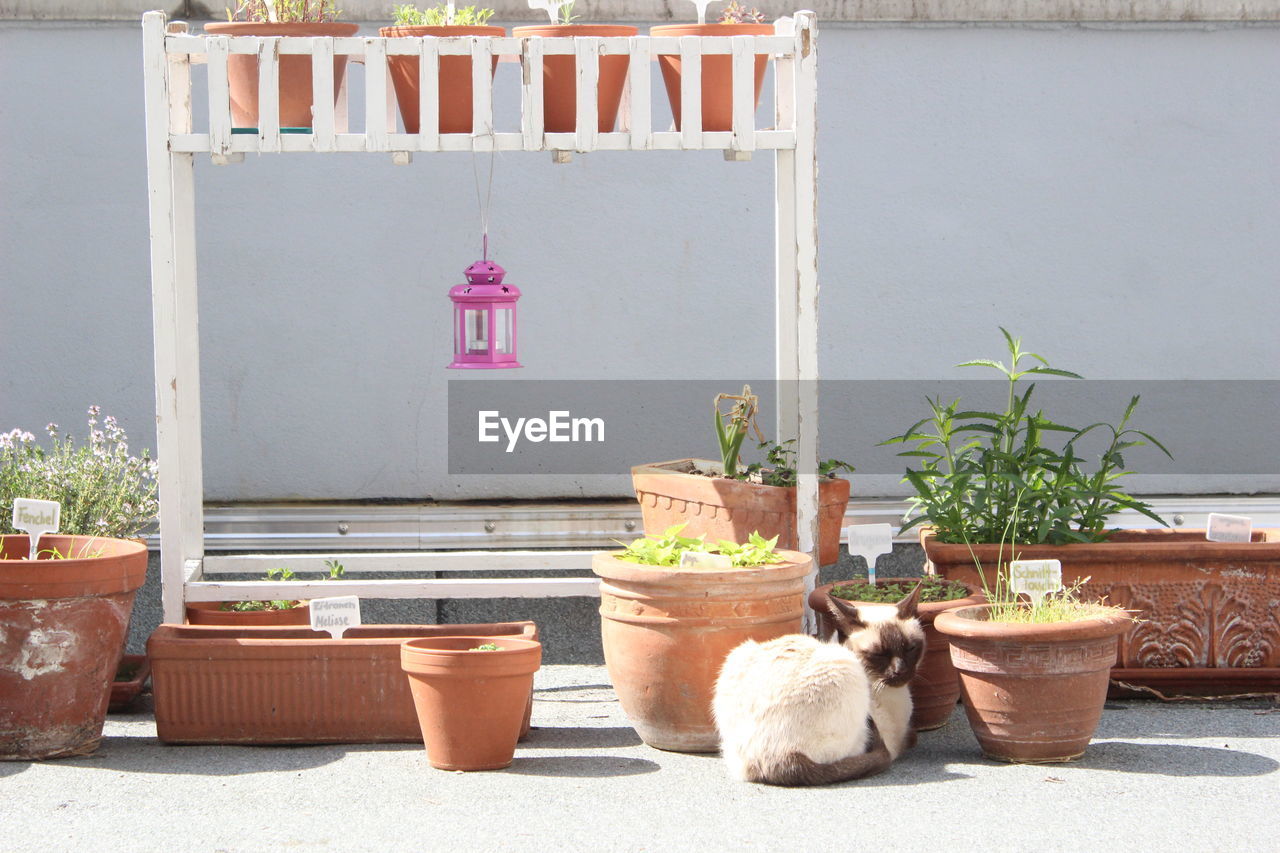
(103, 490)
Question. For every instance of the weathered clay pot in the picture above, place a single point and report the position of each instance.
(560, 77)
(935, 689)
(211, 613)
(217, 684)
(62, 631)
(717, 71)
(1207, 609)
(720, 508)
(470, 703)
(1033, 693)
(454, 86)
(125, 691)
(295, 70)
(667, 631)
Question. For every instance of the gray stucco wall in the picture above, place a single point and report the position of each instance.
(1109, 192)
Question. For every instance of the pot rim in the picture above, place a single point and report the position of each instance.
(442, 31)
(926, 608)
(573, 30)
(714, 29)
(607, 565)
(282, 28)
(962, 623)
(1136, 545)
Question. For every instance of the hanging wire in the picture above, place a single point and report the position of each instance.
(483, 201)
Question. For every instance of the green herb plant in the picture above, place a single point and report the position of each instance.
(732, 427)
(83, 553)
(408, 15)
(932, 589)
(486, 647)
(285, 11)
(736, 13)
(667, 549)
(102, 489)
(336, 572)
(779, 468)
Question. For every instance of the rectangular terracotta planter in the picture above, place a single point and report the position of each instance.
(720, 508)
(1210, 624)
(218, 684)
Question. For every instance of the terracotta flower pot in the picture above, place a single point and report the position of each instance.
(211, 613)
(218, 684)
(666, 633)
(470, 703)
(560, 77)
(717, 71)
(720, 508)
(935, 689)
(62, 632)
(1033, 693)
(1207, 608)
(295, 70)
(454, 78)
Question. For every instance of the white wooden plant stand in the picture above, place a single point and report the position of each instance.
(172, 145)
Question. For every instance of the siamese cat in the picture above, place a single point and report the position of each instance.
(798, 711)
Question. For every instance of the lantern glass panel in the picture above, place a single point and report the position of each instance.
(476, 322)
(504, 332)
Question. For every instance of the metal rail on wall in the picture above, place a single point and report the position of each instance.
(170, 51)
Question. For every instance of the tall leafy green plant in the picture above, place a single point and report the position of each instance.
(732, 426)
(994, 478)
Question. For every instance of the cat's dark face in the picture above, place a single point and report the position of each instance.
(888, 638)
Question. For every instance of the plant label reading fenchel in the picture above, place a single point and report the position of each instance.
(335, 614)
(1036, 578)
(869, 541)
(1229, 528)
(36, 518)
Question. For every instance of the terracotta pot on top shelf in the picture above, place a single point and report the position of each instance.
(560, 77)
(935, 689)
(717, 71)
(295, 70)
(211, 613)
(454, 86)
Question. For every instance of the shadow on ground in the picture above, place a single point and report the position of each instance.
(585, 766)
(1163, 759)
(147, 755)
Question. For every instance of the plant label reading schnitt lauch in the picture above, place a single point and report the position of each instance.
(1229, 528)
(1037, 578)
(335, 614)
(36, 518)
(869, 541)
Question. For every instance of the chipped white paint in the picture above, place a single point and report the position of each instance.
(46, 651)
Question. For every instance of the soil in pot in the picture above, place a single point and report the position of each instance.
(454, 86)
(667, 631)
(470, 697)
(1032, 692)
(560, 77)
(717, 71)
(64, 623)
(295, 71)
(935, 689)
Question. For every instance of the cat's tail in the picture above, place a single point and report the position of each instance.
(799, 769)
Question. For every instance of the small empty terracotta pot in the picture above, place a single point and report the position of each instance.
(560, 77)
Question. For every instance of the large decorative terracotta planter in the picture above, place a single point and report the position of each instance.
(667, 631)
(720, 508)
(935, 688)
(1033, 693)
(454, 80)
(470, 702)
(1208, 609)
(717, 71)
(215, 684)
(211, 613)
(560, 77)
(62, 631)
(295, 71)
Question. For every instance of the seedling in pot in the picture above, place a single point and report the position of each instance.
(442, 15)
(486, 647)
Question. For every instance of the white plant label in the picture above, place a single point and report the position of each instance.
(36, 518)
(869, 541)
(335, 614)
(703, 560)
(1229, 528)
(1036, 578)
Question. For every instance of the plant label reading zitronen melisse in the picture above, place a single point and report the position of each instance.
(36, 518)
(1229, 528)
(1037, 578)
(869, 541)
(703, 560)
(335, 614)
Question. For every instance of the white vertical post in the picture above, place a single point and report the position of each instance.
(322, 118)
(638, 116)
(219, 99)
(429, 95)
(172, 212)
(531, 118)
(269, 94)
(482, 93)
(744, 94)
(690, 92)
(587, 69)
(375, 94)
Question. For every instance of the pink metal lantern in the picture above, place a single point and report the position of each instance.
(484, 319)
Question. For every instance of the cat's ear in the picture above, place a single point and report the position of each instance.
(908, 607)
(845, 614)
